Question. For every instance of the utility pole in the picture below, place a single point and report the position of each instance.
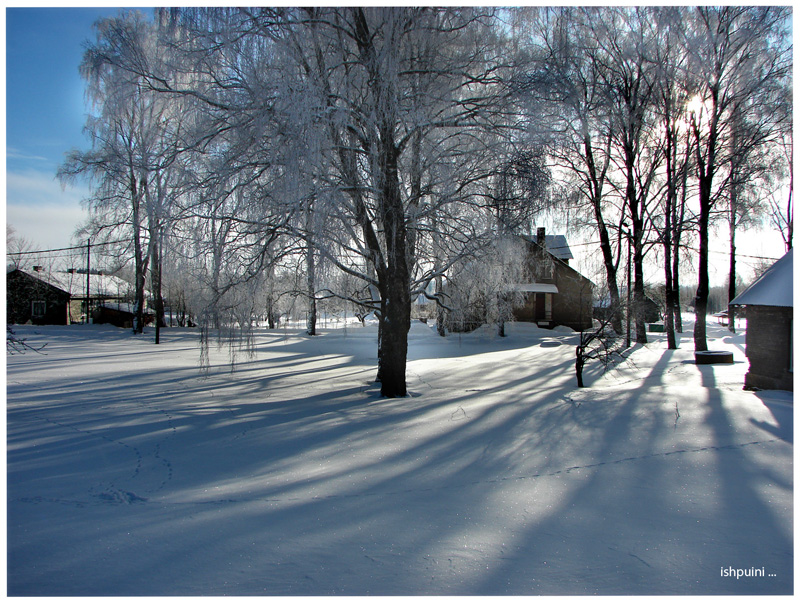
(88, 271)
(157, 293)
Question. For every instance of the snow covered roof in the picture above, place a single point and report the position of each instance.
(773, 288)
(558, 246)
(123, 307)
(100, 285)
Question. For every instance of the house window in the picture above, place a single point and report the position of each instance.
(38, 308)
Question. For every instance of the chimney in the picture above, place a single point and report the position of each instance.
(540, 236)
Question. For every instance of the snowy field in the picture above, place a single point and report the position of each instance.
(132, 472)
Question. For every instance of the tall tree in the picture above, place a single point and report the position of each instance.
(122, 137)
(399, 94)
(565, 75)
(629, 74)
(738, 58)
(671, 94)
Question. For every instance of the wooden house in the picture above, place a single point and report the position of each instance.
(556, 294)
(62, 298)
(768, 344)
(33, 300)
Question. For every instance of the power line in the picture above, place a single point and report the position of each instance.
(77, 248)
(551, 249)
(694, 249)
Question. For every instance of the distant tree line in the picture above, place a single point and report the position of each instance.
(370, 155)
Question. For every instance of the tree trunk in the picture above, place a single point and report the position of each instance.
(676, 295)
(669, 213)
(394, 340)
(440, 315)
(579, 363)
(140, 263)
(611, 273)
(311, 285)
(732, 267)
(701, 297)
(679, 217)
(158, 298)
(638, 267)
(638, 292)
(669, 291)
(396, 290)
(270, 312)
(605, 241)
(311, 320)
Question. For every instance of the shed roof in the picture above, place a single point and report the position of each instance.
(773, 288)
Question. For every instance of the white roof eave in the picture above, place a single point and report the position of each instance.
(534, 287)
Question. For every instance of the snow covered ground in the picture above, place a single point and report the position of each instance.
(132, 472)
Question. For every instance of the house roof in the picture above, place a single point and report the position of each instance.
(773, 288)
(100, 285)
(558, 246)
(15, 273)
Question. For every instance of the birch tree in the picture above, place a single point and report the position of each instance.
(391, 86)
(125, 132)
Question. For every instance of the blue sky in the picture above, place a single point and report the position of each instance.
(45, 115)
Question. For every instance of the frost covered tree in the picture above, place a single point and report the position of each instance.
(565, 85)
(738, 58)
(136, 139)
(409, 101)
(484, 289)
(392, 118)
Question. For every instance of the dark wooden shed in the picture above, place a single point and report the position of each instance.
(768, 344)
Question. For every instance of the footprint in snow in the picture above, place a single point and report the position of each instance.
(118, 497)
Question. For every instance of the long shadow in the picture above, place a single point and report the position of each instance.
(770, 542)
(567, 550)
(341, 492)
(323, 421)
(782, 414)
